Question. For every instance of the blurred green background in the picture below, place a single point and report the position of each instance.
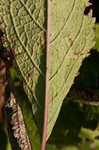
(77, 127)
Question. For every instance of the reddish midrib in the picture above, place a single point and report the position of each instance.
(46, 79)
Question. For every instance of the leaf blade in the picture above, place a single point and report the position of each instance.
(70, 40)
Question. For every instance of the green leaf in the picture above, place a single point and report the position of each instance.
(97, 37)
(90, 139)
(71, 38)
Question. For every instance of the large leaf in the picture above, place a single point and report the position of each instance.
(71, 37)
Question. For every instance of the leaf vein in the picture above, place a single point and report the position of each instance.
(62, 87)
(59, 33)
(42, 28)
(59, 67)
(33, 62)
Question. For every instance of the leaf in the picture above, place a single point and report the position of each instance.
(97, 37)
(90, 139)
(71, 38)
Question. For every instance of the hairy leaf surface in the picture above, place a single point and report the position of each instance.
(71, 37)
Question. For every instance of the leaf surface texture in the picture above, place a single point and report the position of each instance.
(71, 38)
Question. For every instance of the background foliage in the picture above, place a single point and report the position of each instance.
(80, 130)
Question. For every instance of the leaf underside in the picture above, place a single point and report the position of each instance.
(71, 38)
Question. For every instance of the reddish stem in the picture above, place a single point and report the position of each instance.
(43, 145)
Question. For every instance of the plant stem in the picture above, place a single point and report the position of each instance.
(43, 145)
